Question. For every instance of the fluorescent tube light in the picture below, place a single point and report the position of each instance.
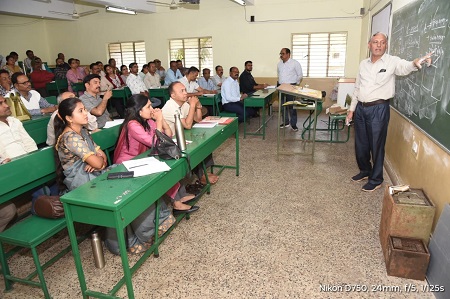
(121, 10)
(240, 2)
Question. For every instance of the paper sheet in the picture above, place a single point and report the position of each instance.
(113, 123)
(146, 166)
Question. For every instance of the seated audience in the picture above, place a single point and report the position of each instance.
(206, 83)
(247, 83)
(181, 68)
(159, 69)
(92, 125)
(190, 110)
(32, 100)
(5, 83)
(76, 73)
(152, 78)
(189, 81)
(137, 86)
(60, 69)
(79, 159)
(232, 100)
(27, 61)
(112, 81)
(172, 74)
(100, 65)
(7, 209)
(219, 78)
(66, 65)
(93, 102)
(143, 72)
(11, 66)
(40, 77)
(124, 73)
(112, 63)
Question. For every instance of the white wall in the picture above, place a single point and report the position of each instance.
(234, 39)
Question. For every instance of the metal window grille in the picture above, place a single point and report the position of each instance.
(128, 52)
(320, 54)
(196, 52)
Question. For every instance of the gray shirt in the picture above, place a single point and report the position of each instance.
(90, 102)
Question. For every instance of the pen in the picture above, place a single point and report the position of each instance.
(137, 166)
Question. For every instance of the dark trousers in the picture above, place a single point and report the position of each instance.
(118, 104)
(238, 108)
(371, 124)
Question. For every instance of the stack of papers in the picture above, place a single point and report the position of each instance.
(146, 166)
(113, 123)
(220, 120)
(206, 124)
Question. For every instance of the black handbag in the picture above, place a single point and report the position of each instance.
(164, 147)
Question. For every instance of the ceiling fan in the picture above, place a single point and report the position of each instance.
(174, 4)
(75, 14)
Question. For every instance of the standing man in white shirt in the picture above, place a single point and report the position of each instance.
(136, 85)
(290, 72)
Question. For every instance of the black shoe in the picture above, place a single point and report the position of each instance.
(193, 200)
(286, 125)
(294, 128)
(359, 177)
(195, 188)
(369, 187)
(176, 212)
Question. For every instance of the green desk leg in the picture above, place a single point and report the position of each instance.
(75, 250)
(124, 254)
(237, 152)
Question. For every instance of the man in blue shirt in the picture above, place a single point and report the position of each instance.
(172, 74)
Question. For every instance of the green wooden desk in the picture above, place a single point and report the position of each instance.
(59, 85)
(259, 100)
(115, 203)
(211, 100)
(36, 127)
(309, 94)
(162, 92)
(122, 93)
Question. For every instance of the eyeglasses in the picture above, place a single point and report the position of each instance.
(26, 82)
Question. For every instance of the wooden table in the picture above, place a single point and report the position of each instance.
(259, 99)
(116, 203)
(304, 93)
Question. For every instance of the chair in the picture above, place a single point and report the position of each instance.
(218, 104)
(78, 87)
(52, 100)
(61, 85)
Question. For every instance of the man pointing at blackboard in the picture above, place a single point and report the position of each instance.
(374, 88)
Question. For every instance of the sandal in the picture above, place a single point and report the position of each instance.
(195, 188)
(139, 248)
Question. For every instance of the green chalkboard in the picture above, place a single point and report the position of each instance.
(424, 96)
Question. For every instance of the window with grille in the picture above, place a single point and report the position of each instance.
(196, 52)
(128, 52)
(320, 54)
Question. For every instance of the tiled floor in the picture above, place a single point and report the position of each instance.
(282, 229)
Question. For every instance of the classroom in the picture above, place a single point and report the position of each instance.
(288, 225)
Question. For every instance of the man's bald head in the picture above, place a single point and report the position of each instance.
(64, 96)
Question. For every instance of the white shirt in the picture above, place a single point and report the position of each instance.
(208, 85)
(14, 140)
(171, 108)
(230, 91)
(376, 81)
(216, 79)
(289, 72)
(135, 84)
(191, 87)
(152, 81)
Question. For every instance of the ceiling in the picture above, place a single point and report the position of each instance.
(64, 9)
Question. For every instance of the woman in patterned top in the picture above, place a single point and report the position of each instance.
(11, 66)
(79, 158)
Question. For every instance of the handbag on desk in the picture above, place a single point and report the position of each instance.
(18, 109)
(164, 147)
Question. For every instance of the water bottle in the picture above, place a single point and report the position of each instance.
(179, 132)
(97, 251)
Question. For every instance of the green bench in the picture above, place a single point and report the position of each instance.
(38, 168)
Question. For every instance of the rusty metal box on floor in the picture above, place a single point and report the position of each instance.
(407, 258)
(407, 214)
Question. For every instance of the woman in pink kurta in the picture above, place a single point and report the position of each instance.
(136, 137)
(76, 74)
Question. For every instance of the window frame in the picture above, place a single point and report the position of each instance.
(135, 58)
(182, 56)
(306, 67)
